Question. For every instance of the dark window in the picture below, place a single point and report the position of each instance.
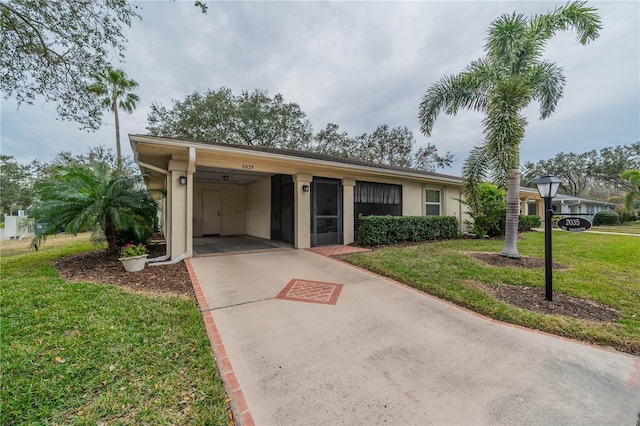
(372, 198)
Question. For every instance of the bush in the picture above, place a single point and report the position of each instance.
(489, 211)
(379, 230)
(606, 217)
(526, 223)
(627, 215)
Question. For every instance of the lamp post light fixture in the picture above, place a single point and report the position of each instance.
(547, 187)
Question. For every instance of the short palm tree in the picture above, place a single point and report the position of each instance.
(115, 87)
(633, 177)
(92, 197)
(501, 85)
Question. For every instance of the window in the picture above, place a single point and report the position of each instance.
(433, 202)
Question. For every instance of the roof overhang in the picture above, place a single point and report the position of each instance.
(153, 154)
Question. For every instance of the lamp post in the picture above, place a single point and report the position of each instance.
(547, 187)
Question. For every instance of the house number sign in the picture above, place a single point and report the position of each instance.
(574, 224)
(247, 166)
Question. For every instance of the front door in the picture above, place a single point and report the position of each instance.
(211, 207)
(326, 212)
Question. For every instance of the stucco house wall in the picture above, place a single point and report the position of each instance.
(233, 219)
(259, 208)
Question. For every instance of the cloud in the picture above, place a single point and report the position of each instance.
(359, 65)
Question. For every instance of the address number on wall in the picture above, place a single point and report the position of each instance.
(247, 166)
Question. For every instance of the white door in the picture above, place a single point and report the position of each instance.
(211, 206)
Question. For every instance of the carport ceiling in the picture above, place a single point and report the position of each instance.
(219, 175)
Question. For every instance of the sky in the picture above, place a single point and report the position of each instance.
(356, 64)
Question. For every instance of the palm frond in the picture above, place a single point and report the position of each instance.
(465, 90)
(474, 172)
(575, 15)
(547, 81)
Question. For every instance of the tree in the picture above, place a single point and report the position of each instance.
(114, 87)
(96, 197)
(572, 168)
(501, 85)
(387, 146)
(220, 116)
(54, 48)
(633, 177)
(15, 185)
(612, 161)
(333, 142)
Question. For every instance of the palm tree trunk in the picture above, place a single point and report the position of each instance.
(110, 235)
(513, 203)
(115, 111)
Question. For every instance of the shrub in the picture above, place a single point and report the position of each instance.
(606, 217)
(488, 211)
(526, 223)
(627, 215)
(378, 230)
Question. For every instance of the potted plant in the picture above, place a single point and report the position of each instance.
(133, 257)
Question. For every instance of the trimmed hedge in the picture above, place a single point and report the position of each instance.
(606, 217)
(379, 230)
(527, 223)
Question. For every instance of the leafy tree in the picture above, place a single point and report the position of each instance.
(54, 48)
(611, 162)
(572, 168)
(427, 158)
(15, 187)
(388, 146)
(333, 142)
(95, 197)
(114, 87)
(593, 174)
(501, 85)
(219, 116)
(385, 145)
(633, 177)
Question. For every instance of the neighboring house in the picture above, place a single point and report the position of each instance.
(303, 198)
(569, 204)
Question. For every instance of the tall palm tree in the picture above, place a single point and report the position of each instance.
(501, 84)
(115, 87)
(95, 197)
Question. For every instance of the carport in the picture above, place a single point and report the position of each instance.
(301, 198)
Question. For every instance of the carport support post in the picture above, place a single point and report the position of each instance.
(348, 225)
(302, 201)
(179, 209)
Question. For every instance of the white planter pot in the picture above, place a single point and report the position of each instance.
(134, 264)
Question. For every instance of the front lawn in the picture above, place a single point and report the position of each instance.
(601, 268)
(82, 353)
(627, 228)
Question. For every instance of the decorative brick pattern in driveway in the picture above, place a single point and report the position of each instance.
(311, 291)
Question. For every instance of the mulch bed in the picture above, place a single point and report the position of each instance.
(533, 298)
(104, 267)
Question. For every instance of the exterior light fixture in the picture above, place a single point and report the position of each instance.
(182, 180)
(547, 187)
(225, 177)
(305, 188)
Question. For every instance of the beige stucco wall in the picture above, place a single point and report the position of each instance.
(412, 199)
(259, 208)
(233, 217)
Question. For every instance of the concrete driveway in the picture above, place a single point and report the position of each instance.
(387, 354)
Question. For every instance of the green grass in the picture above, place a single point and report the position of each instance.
(627, 228)
(603, 268)
(79, 353)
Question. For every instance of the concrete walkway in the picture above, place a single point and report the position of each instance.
(303, 339)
